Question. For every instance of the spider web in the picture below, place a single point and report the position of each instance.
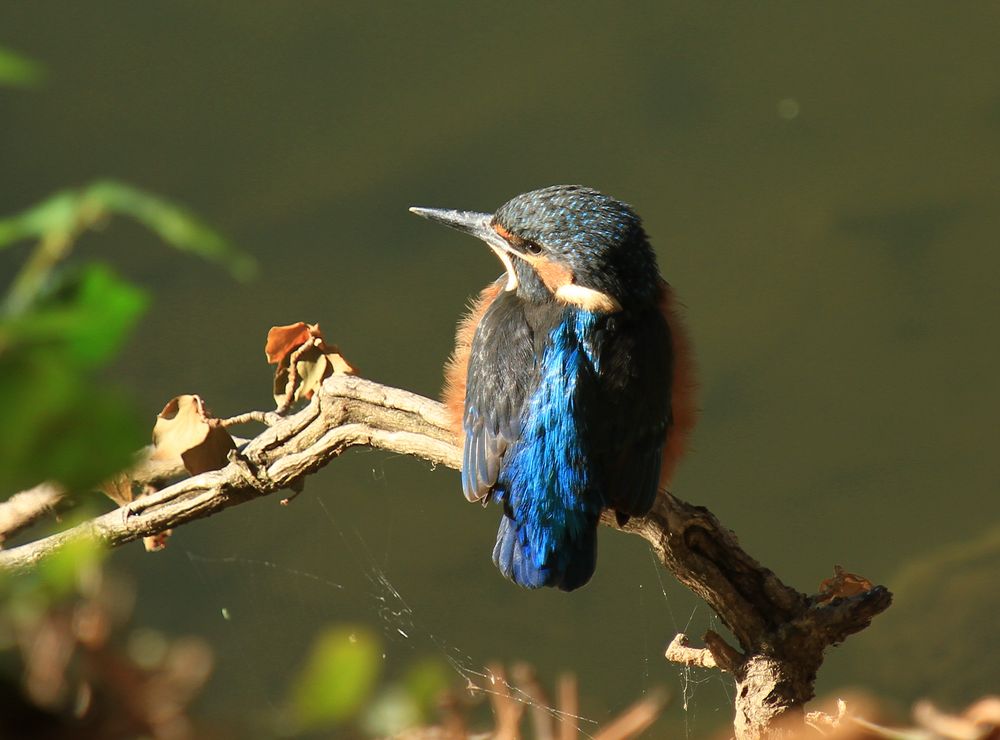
(689, 678)
(405, 632)
(398, 620)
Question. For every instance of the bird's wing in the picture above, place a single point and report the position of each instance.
(501, 365)
(636, 376)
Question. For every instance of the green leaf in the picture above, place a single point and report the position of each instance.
(86, 320)
(57, 214)
(60, 426)
(27, 596)
(59, 571)
(409, 704)
(70, 210)
(56, 422)
(338, 677)
(425, 682)
(19, 70)
(173, 224)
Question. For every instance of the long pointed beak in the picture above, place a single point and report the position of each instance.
(479, 225)
(470, 222)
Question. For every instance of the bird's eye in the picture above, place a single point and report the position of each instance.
(532, 248)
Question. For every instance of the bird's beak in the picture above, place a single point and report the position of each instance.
(476, 224)
(479, 225)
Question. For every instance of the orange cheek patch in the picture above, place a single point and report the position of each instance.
(553, 275)
(502, 231)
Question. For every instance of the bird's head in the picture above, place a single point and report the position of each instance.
(566, 243)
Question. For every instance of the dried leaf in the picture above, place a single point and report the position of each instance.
(158, 541)
(843, 584)
(118, 488)
(303, 361)
(283, 340)
(186, 429)
(311, 368)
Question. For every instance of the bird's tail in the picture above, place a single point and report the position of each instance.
(567, 567)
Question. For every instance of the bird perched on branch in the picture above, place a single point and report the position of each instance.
(571, 382)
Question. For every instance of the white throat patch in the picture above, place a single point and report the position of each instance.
(587, 298)
(509, 266)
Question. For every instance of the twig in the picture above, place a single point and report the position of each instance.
(680, 651)
(825, 723)
(526, 680)
(506, 709)
(569, 707)
(25, 508)
(267, 418)
(635, 719)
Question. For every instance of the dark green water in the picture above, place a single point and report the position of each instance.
(820, 181)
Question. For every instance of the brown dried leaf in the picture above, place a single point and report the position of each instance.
(283, 340)
(842, 584)
(303, 361)
(158, 541)
(118, 488)
(186, 429)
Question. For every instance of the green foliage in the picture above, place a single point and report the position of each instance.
(54, 215)
(338, 677)
(71, 211)
(59, 423)
(17, 70)
(425, 682)
(175, 225)
(26, 596)
(84, 321)
(59, 573)
(408, 703)
(58, 329)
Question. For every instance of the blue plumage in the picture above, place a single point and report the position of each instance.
(546, 482)
(566, 390)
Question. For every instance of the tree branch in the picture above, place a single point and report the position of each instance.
(782, 632)
(23, 509)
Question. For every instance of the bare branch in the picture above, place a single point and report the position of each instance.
(782, 633)
(716, 654)
(267, 418)
(25, 508)
(636, 718)
(569, 707)
(348, 412)
(507, 710)
(527, 683)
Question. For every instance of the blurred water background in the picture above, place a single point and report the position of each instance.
(820, 182)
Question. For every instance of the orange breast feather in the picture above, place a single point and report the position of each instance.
(457, 368)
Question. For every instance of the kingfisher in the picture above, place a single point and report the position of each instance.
(571, 383)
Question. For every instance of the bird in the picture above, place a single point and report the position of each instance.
(572, 382)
